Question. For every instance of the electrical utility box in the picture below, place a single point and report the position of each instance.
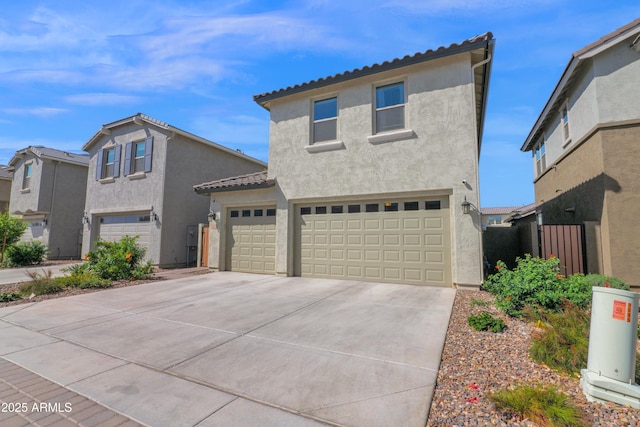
(610, 373)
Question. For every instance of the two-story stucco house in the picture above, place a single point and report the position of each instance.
(48, 192)
(5, 188)
(141, 175)
(585, 147)
(373, 176)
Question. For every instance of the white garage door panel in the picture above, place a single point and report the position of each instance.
(115, 227)
(251, 243)
(407, 243)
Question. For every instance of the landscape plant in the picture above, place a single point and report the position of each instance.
(26, 253)
(41, 284)
(119, 260)
(486, 322)
(11, 229)
(543, 405)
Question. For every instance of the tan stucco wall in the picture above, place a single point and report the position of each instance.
(440, 111)
(5, 194)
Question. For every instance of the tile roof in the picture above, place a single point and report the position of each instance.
(51, 153)
(507, 209)
(242, 182)
(476, 42)
(4, 173)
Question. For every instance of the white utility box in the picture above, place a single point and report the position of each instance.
(610, 373)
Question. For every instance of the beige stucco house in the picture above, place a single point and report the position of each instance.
(368, 174)
(5, 188)
(48, 192)
(585, 149)
(141, 175)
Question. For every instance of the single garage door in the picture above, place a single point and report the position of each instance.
(399, 241)
(115, 227)
(251, 242)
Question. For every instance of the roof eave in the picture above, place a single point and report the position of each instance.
(201, 190)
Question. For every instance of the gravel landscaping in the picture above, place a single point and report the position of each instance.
(475, 364)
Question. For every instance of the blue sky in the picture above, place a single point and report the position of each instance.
(67, 67)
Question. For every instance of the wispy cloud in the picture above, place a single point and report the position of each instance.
(103, 99)
(44, 112)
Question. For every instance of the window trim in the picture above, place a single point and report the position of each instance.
(540, 157)
(101, 163)
(26, 180)
(314, 102)
(565, 126)
(374, 103)
(130, 158)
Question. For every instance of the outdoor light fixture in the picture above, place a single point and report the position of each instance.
(211, 216)
(153, 215)
(466, 206)
(85, 218)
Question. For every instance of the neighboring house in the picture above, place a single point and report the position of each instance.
(5, 188)
(141, 175)
(370, 172)
(586, 150)
(500, 216)
(48, 192)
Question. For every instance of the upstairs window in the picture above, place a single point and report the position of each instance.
(389, 107)
(564, 117)
(137, 157)
(540, 157)
(108, 163)
(325, 120)
(26, 179)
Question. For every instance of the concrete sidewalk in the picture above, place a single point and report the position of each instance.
(233, 349)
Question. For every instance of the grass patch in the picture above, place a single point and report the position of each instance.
(482, 303)
(563, 341)
(486, 322)
(85, 280)
(543, 405)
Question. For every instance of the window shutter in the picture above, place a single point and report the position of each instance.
(148, 152)
(116, 161)
(99, 165)
(127, 159)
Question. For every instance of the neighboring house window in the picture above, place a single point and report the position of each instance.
(389, 107)
(108, 163)
(137, 156)
(325, 120)
(564, 116)
(28, 169)
(540, 156)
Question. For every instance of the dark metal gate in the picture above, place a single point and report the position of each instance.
(565, 242)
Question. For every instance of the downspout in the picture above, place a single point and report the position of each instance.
(51, 202)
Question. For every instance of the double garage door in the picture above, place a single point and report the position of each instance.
(399, 241)
(115, 227)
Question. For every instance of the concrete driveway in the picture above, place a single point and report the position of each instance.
(234, 349)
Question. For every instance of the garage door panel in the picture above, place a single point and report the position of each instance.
(376, 241)
(115, 227)
(251, 241)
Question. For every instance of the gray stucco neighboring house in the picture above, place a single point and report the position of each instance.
(373, 176)
(141, 174)
(48, 192)
(5, 188)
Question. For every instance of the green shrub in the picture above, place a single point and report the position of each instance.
(41, 284)
(538, 282)
(26, 253)
(563, 343)
(11, 229)
(486, 322)
(119, 260)
(76, 268)
(9, 296)
(543, 405)
(84, 280)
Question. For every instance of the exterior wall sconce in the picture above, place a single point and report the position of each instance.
(44, 221)
(572, 209)
(85, 218)
(466, 206)
(211, 216)
(153, 216)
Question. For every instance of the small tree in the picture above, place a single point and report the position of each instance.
(11, 229)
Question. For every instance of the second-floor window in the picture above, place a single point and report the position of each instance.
(137, 156)
(389, 107)
(108, 163)
(540, 157)
(564, 116)
(325, 120)
(28, 169)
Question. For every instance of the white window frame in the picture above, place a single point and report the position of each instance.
(28, 173)
(540, 157)
(105, 163)
(137, 162)
(315, 121)
(403, 105)
(565, 124)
